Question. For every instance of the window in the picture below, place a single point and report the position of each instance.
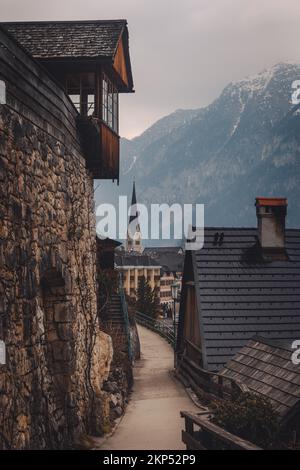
(81, 90)
(110, 104)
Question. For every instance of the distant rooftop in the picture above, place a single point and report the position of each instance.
(169, 257)
(134, 259)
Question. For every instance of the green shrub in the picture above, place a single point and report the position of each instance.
(249, 416)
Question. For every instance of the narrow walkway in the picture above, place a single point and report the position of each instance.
(152, 419)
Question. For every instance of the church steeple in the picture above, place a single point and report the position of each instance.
(133, 212)
(134, 237)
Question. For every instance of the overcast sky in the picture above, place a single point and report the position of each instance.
(183, 52)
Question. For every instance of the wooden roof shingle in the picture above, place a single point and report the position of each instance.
(68, 39)
(266, 368)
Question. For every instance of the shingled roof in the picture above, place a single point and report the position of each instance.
(266, 369)
(240, 295)
(68, 39)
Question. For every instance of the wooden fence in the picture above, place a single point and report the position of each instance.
(205, 382)
(201, 434)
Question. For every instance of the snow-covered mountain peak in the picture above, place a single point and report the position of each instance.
(259, 82)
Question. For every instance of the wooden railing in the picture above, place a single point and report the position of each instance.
(201, 434)
(203, 381)
(156, 325)
(125, 316)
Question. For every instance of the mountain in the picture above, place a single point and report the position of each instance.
(244, 144)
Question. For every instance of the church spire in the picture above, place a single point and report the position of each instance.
(133, 212)
(134, 237)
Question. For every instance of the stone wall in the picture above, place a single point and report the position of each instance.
(57, 357)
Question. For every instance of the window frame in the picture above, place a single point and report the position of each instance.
(109, 112)
(83, 105)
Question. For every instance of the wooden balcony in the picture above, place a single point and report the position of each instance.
(101, 148)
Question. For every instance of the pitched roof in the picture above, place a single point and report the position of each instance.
(266, 369)
(240, 296)
(68, 39)
(170, 258)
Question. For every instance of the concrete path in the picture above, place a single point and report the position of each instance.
(152, 419)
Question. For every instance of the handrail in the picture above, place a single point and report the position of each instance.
(125, 316)
(209, 431)
(157, 326)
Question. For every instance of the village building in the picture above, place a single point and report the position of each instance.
(58, 131)
(133, 268)
(244, 282)
(171, 259)
(131, 261)
(161, 266)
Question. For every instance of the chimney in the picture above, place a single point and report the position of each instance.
(271, 214)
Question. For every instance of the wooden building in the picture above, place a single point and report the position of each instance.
(90, 60)
(244, 282)
(57, 356)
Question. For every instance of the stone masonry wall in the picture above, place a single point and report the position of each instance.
(57, 357)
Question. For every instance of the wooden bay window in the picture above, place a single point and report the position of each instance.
(81, 88)
(95, 97)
